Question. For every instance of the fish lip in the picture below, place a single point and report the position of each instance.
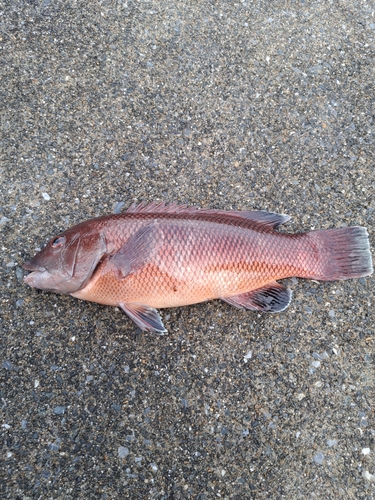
(29, 278)
(29, 266)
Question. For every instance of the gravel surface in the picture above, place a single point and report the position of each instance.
(266, 105)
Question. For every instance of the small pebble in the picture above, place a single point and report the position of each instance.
(7, 365)
(154, 467)
(118, 207)
(46, 196)
(332, 442)
(247, 356)
(19, 273)
(59, 410)
(366, 451)
(123, 452)
(318, 458)
(138, 459)
(369, 477)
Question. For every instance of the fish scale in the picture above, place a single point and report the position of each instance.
(156, 256)
(198, 262)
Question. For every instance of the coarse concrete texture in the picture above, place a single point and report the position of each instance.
(266, 105)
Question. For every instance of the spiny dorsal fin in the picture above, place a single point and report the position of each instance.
(267, 219)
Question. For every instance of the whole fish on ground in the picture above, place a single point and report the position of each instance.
(157, 255)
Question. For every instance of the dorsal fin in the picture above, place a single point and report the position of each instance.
(266, 219)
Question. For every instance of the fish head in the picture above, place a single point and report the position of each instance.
(68, 260)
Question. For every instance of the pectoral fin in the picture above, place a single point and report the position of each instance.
(138, 250)
(145, 317)
(272, 297)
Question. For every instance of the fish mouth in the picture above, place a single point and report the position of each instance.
(33, 278)
(42, 279)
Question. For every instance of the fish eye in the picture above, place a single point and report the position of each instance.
(57, 242)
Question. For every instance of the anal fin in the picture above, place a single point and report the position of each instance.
(272, 297)
(145, 317)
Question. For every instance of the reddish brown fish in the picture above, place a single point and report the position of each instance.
(158, 255)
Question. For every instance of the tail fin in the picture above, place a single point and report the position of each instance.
(344, 253)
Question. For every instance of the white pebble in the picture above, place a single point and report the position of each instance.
(247, 356)
(46, 196)
(369, 477)
(366, 451)
(154, 467)
(319, 458)
(332, 442)
(123, 452)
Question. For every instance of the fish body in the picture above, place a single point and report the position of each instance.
(156, 256)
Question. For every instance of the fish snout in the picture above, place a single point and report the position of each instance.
(30, 266)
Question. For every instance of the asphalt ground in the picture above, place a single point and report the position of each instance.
(264, 105)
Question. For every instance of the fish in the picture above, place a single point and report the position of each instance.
(159, 255)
